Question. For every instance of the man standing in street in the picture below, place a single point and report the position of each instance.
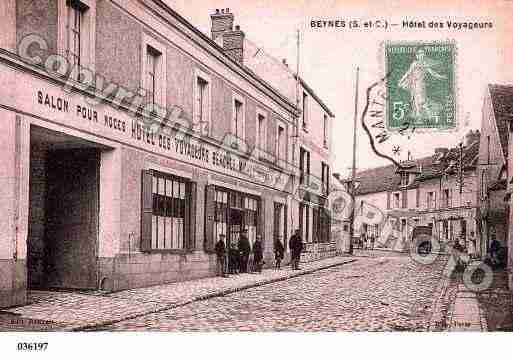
(258, 254)
(296, 246)
(220, 249)
(244, 249)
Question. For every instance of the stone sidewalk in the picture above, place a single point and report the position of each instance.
(72, 311)
(466, 313)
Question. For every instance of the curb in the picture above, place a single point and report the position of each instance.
(77, 328)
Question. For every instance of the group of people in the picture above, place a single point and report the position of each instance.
(367, 241)
(239, 254)
(241, 257)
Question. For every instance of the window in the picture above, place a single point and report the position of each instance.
(261, 132)
(304, 166)
(305, 111)
(483, 185)
(397, 200)
(152, 56)
(154, 73)
(75, 24)
(325, 131)
(238, 118)
(202, 103)
(325, 178)
(431, 200)
(447, 197)
(405, 179)
(76, 34)
(170, 194)
(280, 144)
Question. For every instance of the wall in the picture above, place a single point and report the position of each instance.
(118, 46)
(37, 17)
(13, 274)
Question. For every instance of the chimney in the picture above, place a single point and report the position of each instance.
(233, 44)
(222, 21)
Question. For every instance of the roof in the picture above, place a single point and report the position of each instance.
(502, 105)
(314, 95)
(220, 51)
(428, 167)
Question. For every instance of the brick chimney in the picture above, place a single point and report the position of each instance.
(222, 21)
(233, 44)
(223, 33)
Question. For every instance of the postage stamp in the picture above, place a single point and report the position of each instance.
(421, 91)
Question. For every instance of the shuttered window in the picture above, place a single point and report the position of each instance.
(168, 212)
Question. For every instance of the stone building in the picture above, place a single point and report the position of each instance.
(130, 142)
(494, 184)
(423, 192)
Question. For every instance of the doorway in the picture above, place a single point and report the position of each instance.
(63, 216)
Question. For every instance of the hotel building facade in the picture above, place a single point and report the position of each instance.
(131, 140)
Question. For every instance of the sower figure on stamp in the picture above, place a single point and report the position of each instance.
(220, 249)
(296, 246)
(414, 81)
(244, 250)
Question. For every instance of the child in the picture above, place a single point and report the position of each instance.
(278, 253)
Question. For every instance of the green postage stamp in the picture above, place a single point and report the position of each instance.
(421, 91)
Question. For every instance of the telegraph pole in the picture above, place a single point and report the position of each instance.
(353, 170)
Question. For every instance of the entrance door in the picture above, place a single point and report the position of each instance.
(72, 218)
(236, 225)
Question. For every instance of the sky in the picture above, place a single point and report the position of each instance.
(329, 56)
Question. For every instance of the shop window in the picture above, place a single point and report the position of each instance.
(228, 212)
(168, 212)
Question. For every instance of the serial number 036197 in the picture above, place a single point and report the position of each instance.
(24, 346)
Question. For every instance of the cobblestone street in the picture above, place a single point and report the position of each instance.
(391, 293)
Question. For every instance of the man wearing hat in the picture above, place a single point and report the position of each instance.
(244, 249)
(220, 249)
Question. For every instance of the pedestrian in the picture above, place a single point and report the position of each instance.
(296, 246)
(471, 247)
(364, 240)
(372, 240)
(244, 250)
(220, 249)
(278, 253)
(233, 258)
(258, 254)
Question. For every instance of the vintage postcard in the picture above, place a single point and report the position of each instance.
(257, 166)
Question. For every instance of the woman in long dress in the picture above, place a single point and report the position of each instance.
(414, 81)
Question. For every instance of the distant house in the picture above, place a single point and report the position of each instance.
(426, 192)
(494, 187)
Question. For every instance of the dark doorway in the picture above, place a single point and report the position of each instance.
(72, 218)
(63, 216)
